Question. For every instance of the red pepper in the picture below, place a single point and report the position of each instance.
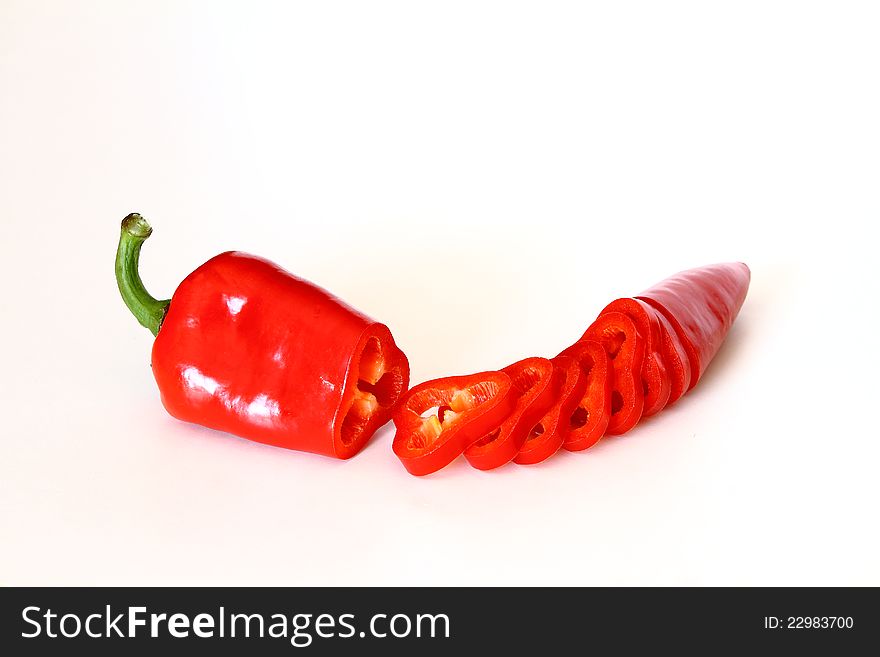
(589, 420)
(548, 435)
(245, 347)
(531, 379)
(619, 337)
(438, 420)
(675, 356)
(655, 379)
(701, 305)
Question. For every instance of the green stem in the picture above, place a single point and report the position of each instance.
(149, 311)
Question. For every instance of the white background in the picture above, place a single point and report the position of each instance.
(483, 178)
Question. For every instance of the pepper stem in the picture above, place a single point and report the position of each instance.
(148, 310)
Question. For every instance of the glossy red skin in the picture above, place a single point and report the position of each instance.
(466, 429)
(531, 405)
(626, 368)
(250, 349)
(701, 305)
(596, 399)
(657, 384)
(675, 356)
(569, 384)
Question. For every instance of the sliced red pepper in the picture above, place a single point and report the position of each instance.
(531, 379)
(675, 356)
(589, 420)
(549, 434)
(467, 408)
(248, 348)
(619, 337)
(701, 305)
(655, 379)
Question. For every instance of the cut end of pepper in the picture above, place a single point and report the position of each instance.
(625, 348)
(382, 377)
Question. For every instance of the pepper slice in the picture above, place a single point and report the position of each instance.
(248, 348)
(438, 420)
(655, 379)
(549, 434)
(701, 305)
(531, 379)
(675, 356)
(589, 420)
(619, 337)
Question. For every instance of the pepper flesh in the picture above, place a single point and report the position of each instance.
(619, 337)
(548, 435)
(531, 379)
(655, 378)
(701, 305)
(467, 408)
(248, 348)
(589, 420)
